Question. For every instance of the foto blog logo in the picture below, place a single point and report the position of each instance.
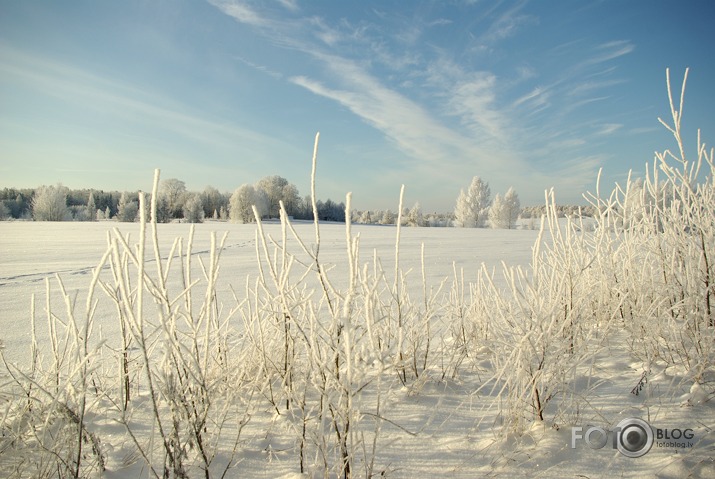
(632, 437)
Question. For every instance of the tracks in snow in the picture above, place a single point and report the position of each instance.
(84, 270)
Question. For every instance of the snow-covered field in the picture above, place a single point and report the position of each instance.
(31, 252)
(446, 417)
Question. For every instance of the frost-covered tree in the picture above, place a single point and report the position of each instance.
(50, 203)
(173, 192)
(212, 201)
(331, 211)
(414, 216)
(388, 218)
(127, 209)
(278, 189)
(291, 199)
(504, 210)
(473, 205)
(81, 213)
(4, 211)
(91, 207)
(464, 216)
(242, 202)
(193, 209)
(365, 218)
(163, 210)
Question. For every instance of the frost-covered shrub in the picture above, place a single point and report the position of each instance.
(664, 262)
(645, 267)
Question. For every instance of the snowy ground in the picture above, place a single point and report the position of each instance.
(437, 427)
(31, 252)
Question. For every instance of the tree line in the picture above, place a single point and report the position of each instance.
(474, 206)
(174, 202)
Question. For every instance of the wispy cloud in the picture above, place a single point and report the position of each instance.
(474, 101)
(507, 25)
(586, 87)
(241, 11)
(404, 122)
(261, 68)
(608, 129)
(291, 5)
(439, 111)
(411, 126)
(440, 22)
(536, 98)
(610, 51)
(81, 87)
(502, 25)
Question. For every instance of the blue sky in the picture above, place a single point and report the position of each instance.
(529, 94)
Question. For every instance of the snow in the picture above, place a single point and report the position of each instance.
(434, 426)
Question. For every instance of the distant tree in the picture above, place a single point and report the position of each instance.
(193, 209)
(173, 191)
(473, 205)
(505, 210)
(81, 213)
(91, 208)
(304, 209)
(212, 201)
(77, 197)
(273, 187)
(388, 218)
(104, 200)
(17, 201)
(50, 203)
(291, 199)
(365, 218)
(414, 216)
(331, 211)
(4, 211)
(242, 202)
(496, 212)
(126, 209)
(278, 189)
(513, 207)
(163, 210)
(436, 220)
